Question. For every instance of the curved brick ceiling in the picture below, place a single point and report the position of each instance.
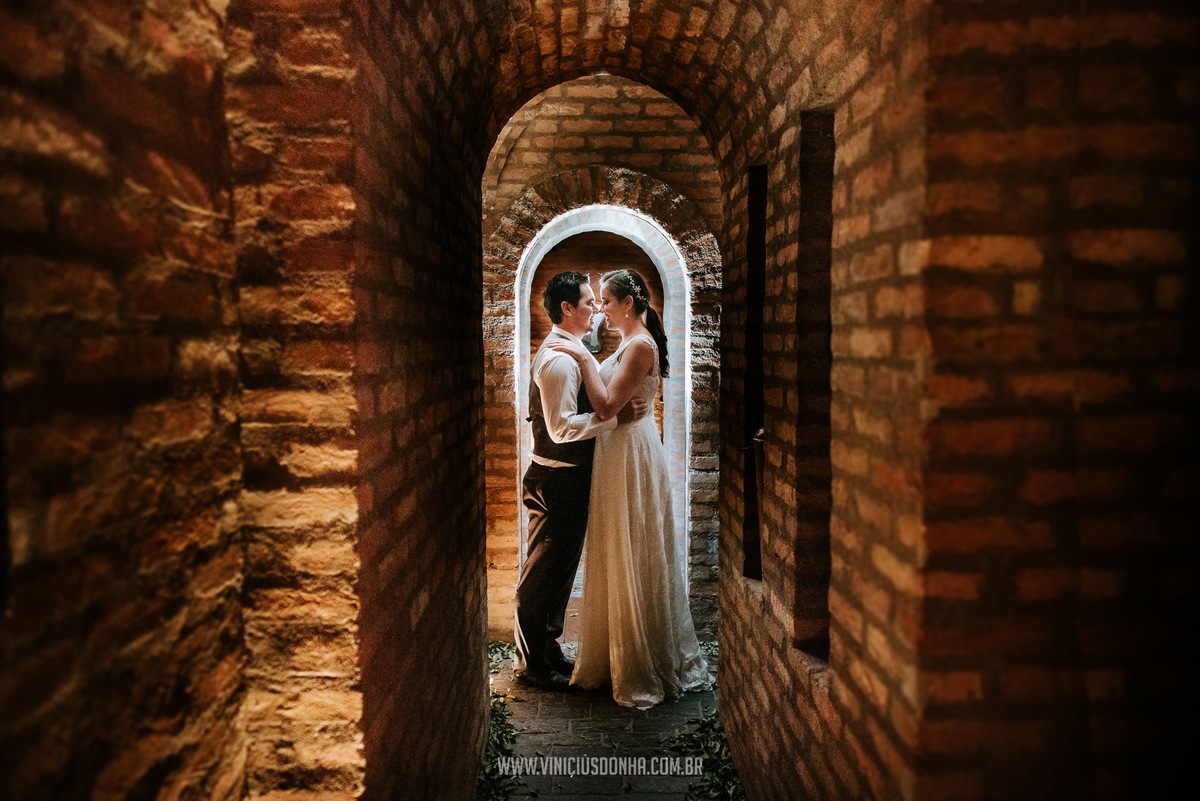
(601, 120)
(709, 56)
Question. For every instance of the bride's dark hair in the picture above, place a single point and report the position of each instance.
(626, 283)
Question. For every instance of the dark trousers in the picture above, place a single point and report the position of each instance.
(556, 499)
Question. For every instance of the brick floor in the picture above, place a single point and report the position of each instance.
(591, 724)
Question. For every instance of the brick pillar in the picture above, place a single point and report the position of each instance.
(291, 88)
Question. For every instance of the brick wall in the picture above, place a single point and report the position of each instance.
(283, 267)
(120, 672)
(606, 120)
(419, 389)
(1060, 217)
(850, 731)
(291, 83)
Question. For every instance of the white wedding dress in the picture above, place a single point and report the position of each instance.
(636, 628)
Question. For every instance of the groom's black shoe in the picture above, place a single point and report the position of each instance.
(545, 680)
(562, 665)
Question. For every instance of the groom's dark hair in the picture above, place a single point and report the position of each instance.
(564, 286)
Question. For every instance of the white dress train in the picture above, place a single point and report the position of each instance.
(636, 628)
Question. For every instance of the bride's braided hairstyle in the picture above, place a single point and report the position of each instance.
(626, 283)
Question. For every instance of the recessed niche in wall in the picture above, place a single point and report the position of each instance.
(754, 396)
(814, 362)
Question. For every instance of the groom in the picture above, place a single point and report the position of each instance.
(557, 484)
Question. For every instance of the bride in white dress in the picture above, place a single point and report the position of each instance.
(636, 628)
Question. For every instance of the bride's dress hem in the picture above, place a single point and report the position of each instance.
(635, 624)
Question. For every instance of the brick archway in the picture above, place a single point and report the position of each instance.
(666, 226)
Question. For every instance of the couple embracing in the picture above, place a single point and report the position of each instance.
(599, 469)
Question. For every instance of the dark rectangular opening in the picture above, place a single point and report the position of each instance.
(814, 474)
(755, 379)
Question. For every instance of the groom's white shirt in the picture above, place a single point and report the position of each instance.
(558, 377)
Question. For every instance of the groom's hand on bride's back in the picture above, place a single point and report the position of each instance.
(633, 411)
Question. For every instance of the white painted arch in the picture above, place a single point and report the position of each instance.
(667, 258)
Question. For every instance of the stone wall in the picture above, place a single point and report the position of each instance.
(122, 659)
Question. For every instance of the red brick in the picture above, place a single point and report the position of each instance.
(320, 356)
(331, 157)
(1101, 583)
(1030, 146)
(948, 197)
(848, 230)
(99, 226)
(315, 47)
(32, 53)
(872, 179)
(996, 737)
(36, 288)
(986, 344)
(958, 786)
(960, 302)
(973, 253)
(1114, 88)
(869, 343)
(867, 100)
(953, 390)
(1046, 90)
(952, 586)
(872, 265)
(1118, 532)
(1042, 487)
(904, 302)
(1081, 385)
(316, 106)
(992, 437)
(324, 202)
(954, 687)
(1046, 584)
(956, 37)
(945, 490)
(1128, 246)
(1122, 141)
(971, 535)
(118, 358)
(183, 298)
(969, 95)
(37, 130)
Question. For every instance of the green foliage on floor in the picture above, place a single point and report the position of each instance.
(707, 740)
(498, 653)
(492, 785)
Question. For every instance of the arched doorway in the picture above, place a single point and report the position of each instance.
(668, 262)
(668, 231)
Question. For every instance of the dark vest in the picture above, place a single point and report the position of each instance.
(578, 452)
